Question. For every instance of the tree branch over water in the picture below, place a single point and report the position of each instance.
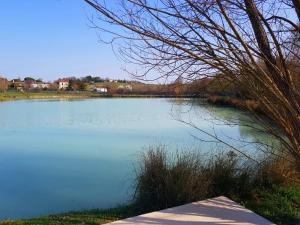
(252, 43)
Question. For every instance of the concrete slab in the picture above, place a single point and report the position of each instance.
(216, 211)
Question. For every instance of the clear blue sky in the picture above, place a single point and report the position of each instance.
(50, 39)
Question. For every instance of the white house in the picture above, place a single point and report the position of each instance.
(63, 84)
(39, 85)
(101, 89)
(125, 87)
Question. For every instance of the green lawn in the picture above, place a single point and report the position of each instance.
(279, 204)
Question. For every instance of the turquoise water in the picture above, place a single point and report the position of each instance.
(57, 156)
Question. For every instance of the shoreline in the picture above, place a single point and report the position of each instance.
(238, 103)
(12, 96)
(221, 101)
(91, 216)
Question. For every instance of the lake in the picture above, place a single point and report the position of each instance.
(59, 155)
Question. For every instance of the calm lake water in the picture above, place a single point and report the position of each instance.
(57, 156)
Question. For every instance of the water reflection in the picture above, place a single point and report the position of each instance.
(251, 137)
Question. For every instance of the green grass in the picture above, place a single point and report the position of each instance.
(279, 204)
(9, 96)
(89, 217)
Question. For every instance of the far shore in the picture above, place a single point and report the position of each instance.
(11, 96)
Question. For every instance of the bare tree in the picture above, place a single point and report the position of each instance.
(248, 42)
(3, 84)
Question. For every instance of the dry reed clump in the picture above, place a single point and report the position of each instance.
(277, 171)
(166, 180)
(250, 105)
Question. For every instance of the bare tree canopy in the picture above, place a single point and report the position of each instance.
(254, 43)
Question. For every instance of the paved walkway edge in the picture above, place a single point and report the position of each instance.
(215, 211)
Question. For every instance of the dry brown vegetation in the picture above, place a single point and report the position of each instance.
(3, 84)
(249, 105)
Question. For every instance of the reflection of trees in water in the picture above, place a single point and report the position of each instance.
(252, 136)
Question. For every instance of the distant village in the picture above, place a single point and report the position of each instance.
(88, 84)
(91, 84)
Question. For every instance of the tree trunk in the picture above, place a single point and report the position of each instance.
(269, 59)
(297, 7)
(276, 75)
(262, 39)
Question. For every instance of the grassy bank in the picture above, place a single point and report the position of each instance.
(92, 217)
(280, 204)
(10, 96)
